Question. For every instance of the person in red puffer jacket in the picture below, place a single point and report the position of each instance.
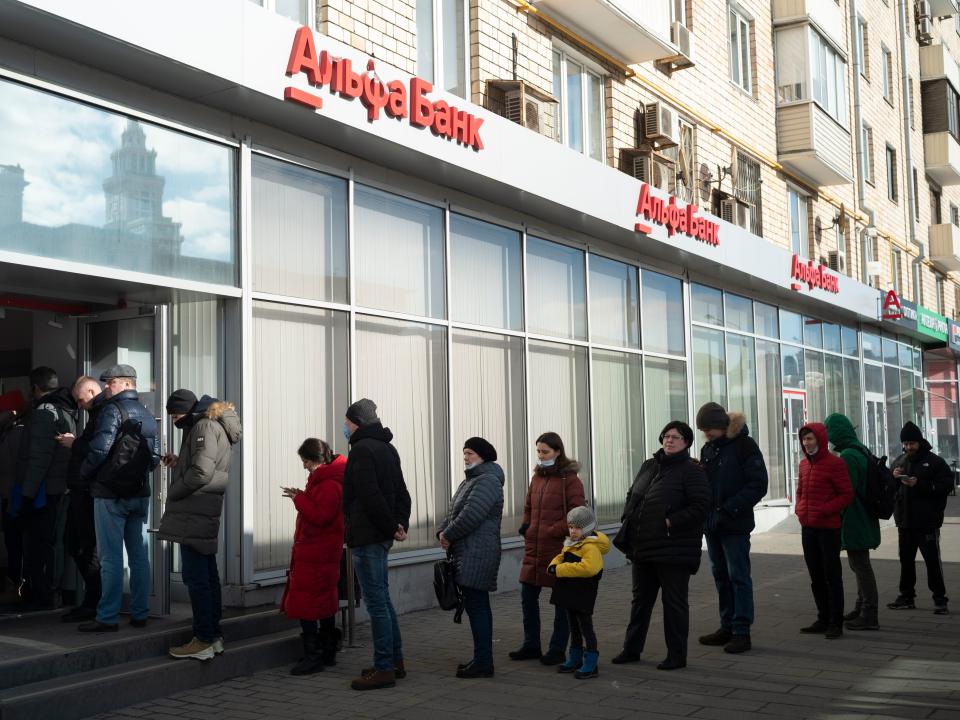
(823, 491)
(311, 595)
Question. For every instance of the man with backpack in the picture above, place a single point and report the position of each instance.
(738, 480)
(925, 480)
(122, 453)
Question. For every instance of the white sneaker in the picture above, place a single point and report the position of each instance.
(195, 649)
(218, 648)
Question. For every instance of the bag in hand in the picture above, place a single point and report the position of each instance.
(130, 461)
(449, 596)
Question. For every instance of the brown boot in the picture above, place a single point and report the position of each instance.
(375, 680)
(398, 670)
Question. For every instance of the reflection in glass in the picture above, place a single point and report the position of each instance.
(833, 384)
(425, 40)
(574, 106)
(874, 378)
(816, 400)
(894, 414)
(556, 290)
(706, 304)
(666, 396)
(614, 303)
(871, 346)
(905, 356)
(663, 321)
(739, 312)
(889, 351)
(766, 320)
(853, 400)
(709, 367)
(742, 378)
(812, 332)
(769, 429)
(831, 337)
(791, 327)
(486, 274)
(454, 49)
(851, 344)
(793, 374)
(907, 398)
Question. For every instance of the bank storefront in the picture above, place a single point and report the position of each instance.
(253, 245)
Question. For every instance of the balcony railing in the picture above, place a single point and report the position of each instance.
(812, 144)
(941, 154)
(944, 249)
(937, 62)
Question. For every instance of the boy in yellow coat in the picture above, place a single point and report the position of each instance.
(578, 569)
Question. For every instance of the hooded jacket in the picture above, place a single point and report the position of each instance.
(553, 492)
(738, 478)
(921, 507)
(42, 461)
(858, 530)
(81, 446)
(311, 592)
(578, 568)
(191, 516)
(473, 527)
(824, 488)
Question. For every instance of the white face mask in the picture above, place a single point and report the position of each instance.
(471, 466)
(548, 463)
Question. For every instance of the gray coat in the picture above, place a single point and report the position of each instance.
(473, 527)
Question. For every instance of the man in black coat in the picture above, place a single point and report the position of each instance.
(925, 481)
(376, 508)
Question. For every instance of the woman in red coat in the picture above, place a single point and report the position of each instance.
(311, 595)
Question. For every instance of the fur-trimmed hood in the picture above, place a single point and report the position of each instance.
(738, 425)
(225, 413)
(571, 468)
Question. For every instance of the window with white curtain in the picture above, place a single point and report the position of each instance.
(614, 303)
(665, 388)
(792, 83)
(399, 253)
(299, 231)
(402, 366)
(488, 401)
(828, 73)
(486, 274)
(741, 72)
(663, 321)
(556, 290)
(797, 202)
(579, 90)
(709, 367)
(306, 349)
(442, 44)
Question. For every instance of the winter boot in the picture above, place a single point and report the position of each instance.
(589, 667)
(855, 613)
(311, 662)
(328, 646)
(574, 661)
(866, 621)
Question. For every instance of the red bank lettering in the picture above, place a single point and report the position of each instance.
(816, 277)
(675, 219)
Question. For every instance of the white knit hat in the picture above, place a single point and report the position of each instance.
(583, 518)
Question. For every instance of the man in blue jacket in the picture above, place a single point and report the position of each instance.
(738, 480)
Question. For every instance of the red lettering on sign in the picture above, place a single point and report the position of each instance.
(892, 309)
(302, 97)
(303, 56)
(675, 219)
(815, 276)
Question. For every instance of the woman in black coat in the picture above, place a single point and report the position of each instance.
(661, 535)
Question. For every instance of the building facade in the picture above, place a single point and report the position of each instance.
(493, 217)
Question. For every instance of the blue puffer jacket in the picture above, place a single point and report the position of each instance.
(473, 527)
(105, 434)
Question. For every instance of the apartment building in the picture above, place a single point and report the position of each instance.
(493, 217)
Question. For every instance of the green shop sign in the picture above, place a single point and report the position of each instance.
(932, 324)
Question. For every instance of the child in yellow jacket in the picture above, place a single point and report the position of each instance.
(578, 569)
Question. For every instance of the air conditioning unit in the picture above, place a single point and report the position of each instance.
(924, 31)
(523, 104)
(681, 36)
(660, 125)
(837, 262)
(923, 9)
(655, 170)
(735, 211)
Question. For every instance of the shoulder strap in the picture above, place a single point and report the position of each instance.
(563, 483)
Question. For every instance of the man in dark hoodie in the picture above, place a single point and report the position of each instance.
(738, 480)
(925, 481)
(376, 508)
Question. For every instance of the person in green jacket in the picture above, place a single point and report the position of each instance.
(859, 532)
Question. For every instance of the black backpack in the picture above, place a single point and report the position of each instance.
(879, 493)
(130, 460)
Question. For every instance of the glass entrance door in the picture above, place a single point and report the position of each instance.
(794, 417)
(876, 432)
(136, 338)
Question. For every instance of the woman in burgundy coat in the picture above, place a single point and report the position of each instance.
(311, 595)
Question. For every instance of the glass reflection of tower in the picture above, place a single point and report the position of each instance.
(12, 185)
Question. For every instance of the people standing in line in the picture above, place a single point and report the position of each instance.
(201, 471)
(578, 568)
(823, 491)
(470, 533)
(80, 536)
(120, 521)
(925, 481)
(859, 532)
(554, 489)
(661, 535)
(311, 595)
(41, 484)
(12, 405)
(376, 507)
(738, 481)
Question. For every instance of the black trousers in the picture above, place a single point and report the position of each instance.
(928, 543)
(81, 544)
(672, 583)
(39, 528)
(13, 540)
(581, 630)
(821, 551)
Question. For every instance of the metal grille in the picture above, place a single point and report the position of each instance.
(748, 189)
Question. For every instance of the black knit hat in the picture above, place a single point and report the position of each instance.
(482, 448)
(712, 416)
(911, 433)
(686, 432)
(363, 412)
(181, 402)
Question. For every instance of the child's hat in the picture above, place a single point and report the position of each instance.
(583, 518)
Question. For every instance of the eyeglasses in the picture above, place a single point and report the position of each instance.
(673, 437)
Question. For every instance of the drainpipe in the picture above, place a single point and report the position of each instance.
(903, 18)
(858, 124)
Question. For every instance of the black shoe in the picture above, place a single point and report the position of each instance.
(525, 653)
(818, 628)
(138, 623)
(833, 632)
(79, 614)
(625, 657)
(720, 637)
(852, 615)
(902, 603)
(669, 664)
(98, 627)
(738, 644)
(553, 657)
(472, 670)
(941, 609)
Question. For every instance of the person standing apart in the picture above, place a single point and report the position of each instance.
(554, 489)
(823, 491)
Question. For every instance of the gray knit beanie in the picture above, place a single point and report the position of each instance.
(583, 518)
(363, 412)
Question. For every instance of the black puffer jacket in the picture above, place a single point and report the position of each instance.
(43, 460)
(921, 507)
(375, 497)
(670, 487)
(81, 446)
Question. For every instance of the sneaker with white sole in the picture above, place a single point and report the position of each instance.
(195, 649)
(218, 648)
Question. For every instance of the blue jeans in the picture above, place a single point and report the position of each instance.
(202, 579)
(530, 603)
(730, 561)
(477, 604)
(370, 563)
(122, 523)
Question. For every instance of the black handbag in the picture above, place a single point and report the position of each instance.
(449, 595)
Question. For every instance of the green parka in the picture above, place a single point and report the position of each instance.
(858, 530)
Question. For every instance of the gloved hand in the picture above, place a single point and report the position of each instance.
(523, 529)
(552, 569)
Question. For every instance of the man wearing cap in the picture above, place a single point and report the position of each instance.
(120, 521)
(925, 480)
(738, 480)
(376, 508)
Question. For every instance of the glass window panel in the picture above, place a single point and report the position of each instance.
(831, 337)
(745, 55)
(734, 49)
(709, 367)
(889, 351)
(791, 327)
(816, 400)
(894, 414)
(905, 356)
(559, 401)
(871, 347)
(77, 180)
(851, 343)
(574, 90)
(595, 115)
(454, 49)
(618, 428)
(769, 430)
(742, 378)
(793, 372)
(293, 9)
(556, 290)
(663, 322)
(299, 231)
(706, 304)
(833, 384)
(767, 321)
(425, 40)
(488, 401)
(614, 303)
(411, 394)
(791, 65)
(666, 396)
(916, 355)
(812, 332)
(558, 92)
(907, 398)
(398, 250)
(853, 399)
(308, 348)
(874, 378)
(486, 274)
(739, 312)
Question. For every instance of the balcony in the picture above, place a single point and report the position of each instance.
(942, 8)
(633, 31)
(941, 154)
(812, 144)
(827, 15)
(937, 63)
(944, 251)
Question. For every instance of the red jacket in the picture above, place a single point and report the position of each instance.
(824, 488)
(550, 497)
(311, 592)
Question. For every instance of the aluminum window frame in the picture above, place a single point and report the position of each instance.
(439, 43)
(588, 67)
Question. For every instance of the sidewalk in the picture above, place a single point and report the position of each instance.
(910, 669)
